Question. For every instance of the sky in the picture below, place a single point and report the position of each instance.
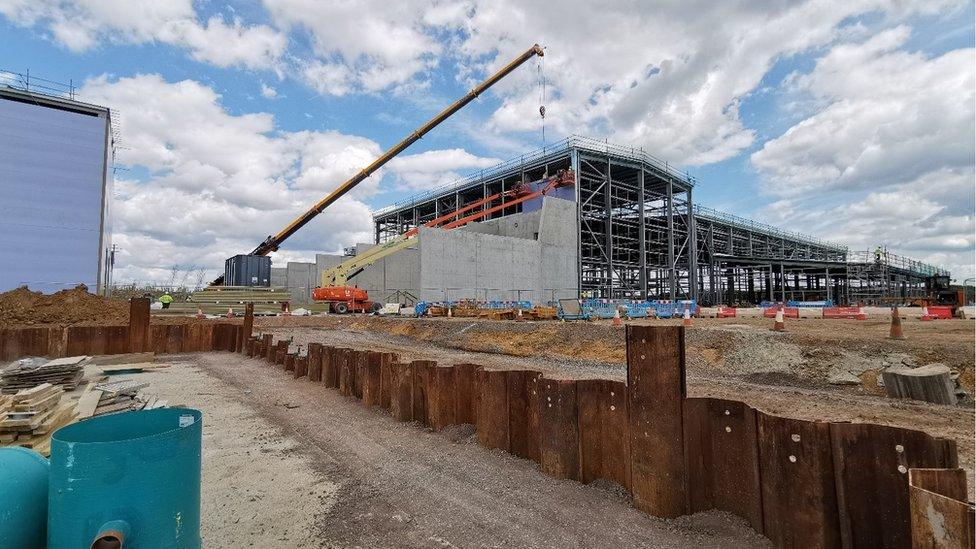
(851, 121)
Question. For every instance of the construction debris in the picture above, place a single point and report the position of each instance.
(119, 396)
(31, 372)
(931, 383)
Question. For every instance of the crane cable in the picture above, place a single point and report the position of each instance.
(541, 69)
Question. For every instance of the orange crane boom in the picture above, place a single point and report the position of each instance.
(272, 243)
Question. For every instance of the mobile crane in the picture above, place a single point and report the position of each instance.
(343, 298)
(273, 242)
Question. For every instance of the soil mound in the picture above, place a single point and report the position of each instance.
(22, 307)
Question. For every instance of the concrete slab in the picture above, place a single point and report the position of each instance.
(810, 312)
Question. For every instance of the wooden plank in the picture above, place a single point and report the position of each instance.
(371, 379)
(401, 396)
(616, 434)
(492, 418)
(18, 343)
(942, 517)
(559, 429)
(656, 389)
(290, 362)
(88, 401)
(97, 340)
(603, 426)
(346, 373)
(441, 401)
(797, 472)
(79, 340)
(125, 358)
(386, 384)
(268, 346)
(419, 375)
(523, 413)
(465, 383)
(281, 353)
(315, 362)
(301, 366)
(871, 464)
(174, 339)
(330, 367)
(722, 453)
(138, 325)
(247, 328)
(203, 336)
(360, 358)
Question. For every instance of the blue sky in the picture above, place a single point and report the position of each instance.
(821, 119)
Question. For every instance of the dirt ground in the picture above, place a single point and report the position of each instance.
(787, 374)
(259, 487)
(813, 352)
(288, 463)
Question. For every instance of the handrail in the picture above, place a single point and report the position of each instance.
(571, 142)
(724, 217)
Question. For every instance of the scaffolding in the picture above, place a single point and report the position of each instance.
(635, 221)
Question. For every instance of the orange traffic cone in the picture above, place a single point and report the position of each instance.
(616, 317)
(449, 315)
(686, 319)
(518, 316)
(200, 313)
(895, 332)
(230, 312)
(778, 324)
(925, 314)
(287, 311)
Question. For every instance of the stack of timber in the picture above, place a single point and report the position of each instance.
(27, 373)
(116, 396)
(29, 417)
(216, 300)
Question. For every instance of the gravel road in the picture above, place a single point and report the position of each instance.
(399, 485)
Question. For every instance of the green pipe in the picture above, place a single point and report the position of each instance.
(23, 498)
(127, 480)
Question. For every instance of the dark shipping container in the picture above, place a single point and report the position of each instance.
(247, 270)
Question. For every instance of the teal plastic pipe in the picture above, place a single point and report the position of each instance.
(127, 480)
(23, 498)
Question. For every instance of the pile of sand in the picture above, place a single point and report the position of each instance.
(22, 307)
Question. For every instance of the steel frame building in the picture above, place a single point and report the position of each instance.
(636, 217)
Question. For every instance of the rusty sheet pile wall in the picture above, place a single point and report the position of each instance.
(138, 336)
(801, 483)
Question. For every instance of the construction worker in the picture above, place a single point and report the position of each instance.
(877, 255)
(165, 299)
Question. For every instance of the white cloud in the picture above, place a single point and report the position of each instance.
(886, 155)
(432, 169)
(221, 183)
(665, 76)
(365, 45)
(81, 25)
(268, 92)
